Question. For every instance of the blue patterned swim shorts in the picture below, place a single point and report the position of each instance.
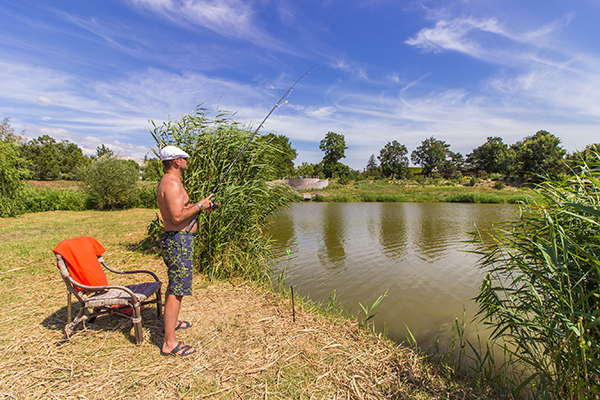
(178, 254)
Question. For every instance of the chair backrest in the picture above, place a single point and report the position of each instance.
(81, 257)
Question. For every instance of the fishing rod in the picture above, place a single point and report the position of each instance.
(276, 106)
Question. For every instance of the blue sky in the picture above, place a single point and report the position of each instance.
(95, 72)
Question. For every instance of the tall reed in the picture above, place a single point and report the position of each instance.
(232, 240)
(541, 294)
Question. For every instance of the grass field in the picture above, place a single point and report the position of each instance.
(248, 346)
(430, 191)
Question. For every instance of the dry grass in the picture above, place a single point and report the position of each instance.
(248, 346)
(58, 184)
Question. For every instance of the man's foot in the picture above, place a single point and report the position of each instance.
(179, 350)
(183, 325)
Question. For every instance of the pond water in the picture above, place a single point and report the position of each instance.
(416, 251)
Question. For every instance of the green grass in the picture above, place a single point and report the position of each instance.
(409, 191)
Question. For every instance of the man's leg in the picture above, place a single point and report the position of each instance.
(178, 253)
(172, 306)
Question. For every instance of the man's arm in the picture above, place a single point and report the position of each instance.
(177, 203)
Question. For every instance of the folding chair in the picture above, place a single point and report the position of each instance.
(80, 264)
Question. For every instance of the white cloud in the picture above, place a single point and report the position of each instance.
(44, 101)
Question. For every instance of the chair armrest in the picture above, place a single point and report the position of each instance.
(96, 288)
(116, 271)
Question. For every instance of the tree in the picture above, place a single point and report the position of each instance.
(372, 169)
(152, 169)
(43, 157)
(70, 159)
(394, 162)
(540, 155)
(283, 154)
(334, 147)
(431, 155)
(110, 183)
(8, 135)
(586, 155)
(305, 169)
(493, 156)
(341, 172)
(453, 164)
(51, 160)
(103, 150)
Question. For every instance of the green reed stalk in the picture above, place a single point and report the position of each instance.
(541, 294)
(232, 240)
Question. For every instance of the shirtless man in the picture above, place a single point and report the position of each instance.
(178, 245)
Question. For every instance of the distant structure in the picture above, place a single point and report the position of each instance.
(305, 183)
(139, 161)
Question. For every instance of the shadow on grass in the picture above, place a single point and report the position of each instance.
(108, 322)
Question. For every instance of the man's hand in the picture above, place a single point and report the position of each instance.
(206, 203)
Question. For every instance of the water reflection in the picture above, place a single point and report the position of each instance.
(393, 231)
(413, 250)
(284, 230)
(332, 253)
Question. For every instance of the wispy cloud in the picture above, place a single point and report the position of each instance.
(234, 19)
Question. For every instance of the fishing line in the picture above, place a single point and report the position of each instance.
(280, 103)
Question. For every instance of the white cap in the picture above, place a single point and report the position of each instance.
(172, 152)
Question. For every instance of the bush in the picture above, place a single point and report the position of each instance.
(499, 185)
(368, 197)
(145, 196)
(470, 197)
(389, 198)
(456, 176)
(39, 200)
(110, 183)
(519, 199)
(11, 180)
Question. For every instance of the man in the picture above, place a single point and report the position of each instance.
(178, 245)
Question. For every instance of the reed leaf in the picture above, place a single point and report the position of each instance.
(541, 292)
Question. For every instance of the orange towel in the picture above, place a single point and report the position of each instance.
(81, 256)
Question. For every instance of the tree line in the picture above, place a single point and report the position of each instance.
(533, 157)
(539, 155)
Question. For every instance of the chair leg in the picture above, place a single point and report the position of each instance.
(137, 324)
(71, 325)
(159, 304)
(92, 318)
(69, 308)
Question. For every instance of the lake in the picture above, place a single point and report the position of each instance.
(416, 251)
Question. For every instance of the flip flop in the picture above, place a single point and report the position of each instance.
(179, 350)
(183, 325)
